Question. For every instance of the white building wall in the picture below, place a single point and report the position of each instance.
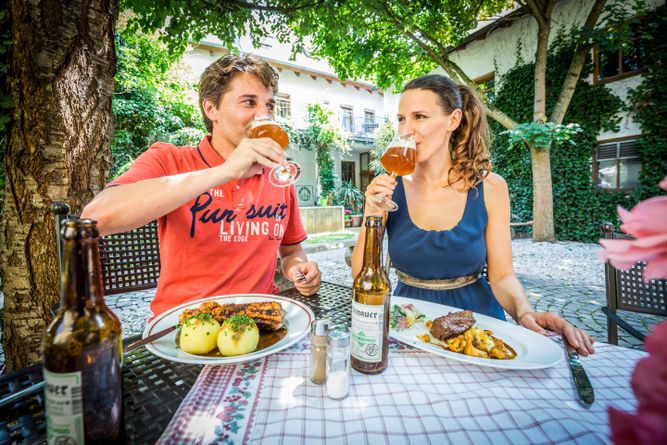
(498, 53)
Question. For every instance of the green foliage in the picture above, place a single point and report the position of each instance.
(182, 21)
(153, 100)
(349, 196)
(325, 137)
(648, 102)
(542, 135)
(616, 30)
(383, 136)
(388, 41)
(579, 207)
(6, 104)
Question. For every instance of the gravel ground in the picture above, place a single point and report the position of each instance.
(566, 262)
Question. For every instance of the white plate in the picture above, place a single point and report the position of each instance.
(297, 319)
(533, 351)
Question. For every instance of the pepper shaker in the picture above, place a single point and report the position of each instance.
(318, 350)
(338, 362)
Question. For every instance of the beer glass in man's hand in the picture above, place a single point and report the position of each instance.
(399, 160)
(285, 173)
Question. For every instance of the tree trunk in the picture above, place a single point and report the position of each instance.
(62, 64)
(543, 219)
(543, 215)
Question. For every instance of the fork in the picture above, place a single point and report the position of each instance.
(300, 278)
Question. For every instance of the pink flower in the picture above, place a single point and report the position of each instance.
(649, 383)
(647, 223)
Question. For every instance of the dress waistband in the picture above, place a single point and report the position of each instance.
(443, 284)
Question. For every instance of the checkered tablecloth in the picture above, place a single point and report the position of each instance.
(421, 398)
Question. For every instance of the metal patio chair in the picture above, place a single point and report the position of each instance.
(627, 291)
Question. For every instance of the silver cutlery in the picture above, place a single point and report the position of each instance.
(581, 381)
(150, 338)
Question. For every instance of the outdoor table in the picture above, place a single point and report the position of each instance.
(153, 387)
(420, 398)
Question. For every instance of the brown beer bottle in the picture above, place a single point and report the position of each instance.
(370, 305)
(82, 350)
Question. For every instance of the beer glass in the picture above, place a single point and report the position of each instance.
(285, 173)
(399, 160)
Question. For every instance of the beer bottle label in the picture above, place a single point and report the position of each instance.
(367, 332)
(64, 408)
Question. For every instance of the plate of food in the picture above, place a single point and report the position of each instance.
(229, 329)
(469, 337)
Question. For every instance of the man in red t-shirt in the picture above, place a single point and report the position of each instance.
(209, 244)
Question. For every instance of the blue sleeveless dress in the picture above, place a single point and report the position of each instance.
(441, 254)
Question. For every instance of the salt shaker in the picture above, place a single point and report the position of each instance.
(338, 362)
(318, 350)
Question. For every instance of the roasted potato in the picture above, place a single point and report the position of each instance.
(474, 342)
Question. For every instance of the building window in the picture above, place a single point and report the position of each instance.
(347, 172)
(487, 84)
(283, 106)
(346, 118)
(369, 121)
(628, 60)
(617, 165)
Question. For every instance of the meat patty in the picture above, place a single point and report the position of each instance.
(452, 324)
(267, 314)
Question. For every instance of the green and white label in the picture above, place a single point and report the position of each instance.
(367, 332)
(64, 408)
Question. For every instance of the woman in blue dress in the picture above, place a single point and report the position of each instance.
(453, 213)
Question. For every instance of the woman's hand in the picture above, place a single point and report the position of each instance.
(380, 185)
(577, 338)
(306, 278)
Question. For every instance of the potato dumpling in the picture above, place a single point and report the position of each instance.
(238, 335)
(199, 334)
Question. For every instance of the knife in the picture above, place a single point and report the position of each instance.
(581, 382)
(149, 339)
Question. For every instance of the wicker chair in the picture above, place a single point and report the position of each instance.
(627, 291)
(130, 260)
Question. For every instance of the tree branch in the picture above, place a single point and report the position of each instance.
(536, 11)
(576, 65)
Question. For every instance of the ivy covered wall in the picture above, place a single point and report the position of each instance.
(649, 104)
(579, 207)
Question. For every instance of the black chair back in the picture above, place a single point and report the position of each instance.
(130, 261)
(627, 291)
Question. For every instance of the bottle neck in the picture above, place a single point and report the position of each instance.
(373, 248)
(82, 277)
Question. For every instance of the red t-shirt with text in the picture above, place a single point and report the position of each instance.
(207, 247)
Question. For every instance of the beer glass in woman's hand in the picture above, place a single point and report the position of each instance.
(399, 160)
(285, 173)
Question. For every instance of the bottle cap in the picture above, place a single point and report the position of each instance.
(339, 336)
(320, 327)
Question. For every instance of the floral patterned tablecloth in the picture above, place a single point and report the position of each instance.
(421, 398)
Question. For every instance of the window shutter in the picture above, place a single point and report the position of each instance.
(629, 149)
(607, 151)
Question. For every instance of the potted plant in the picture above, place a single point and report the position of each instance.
(347, 217)
(351, 197)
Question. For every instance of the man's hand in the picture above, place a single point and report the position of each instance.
(252, 154)
(577, 338)
(306, 278)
